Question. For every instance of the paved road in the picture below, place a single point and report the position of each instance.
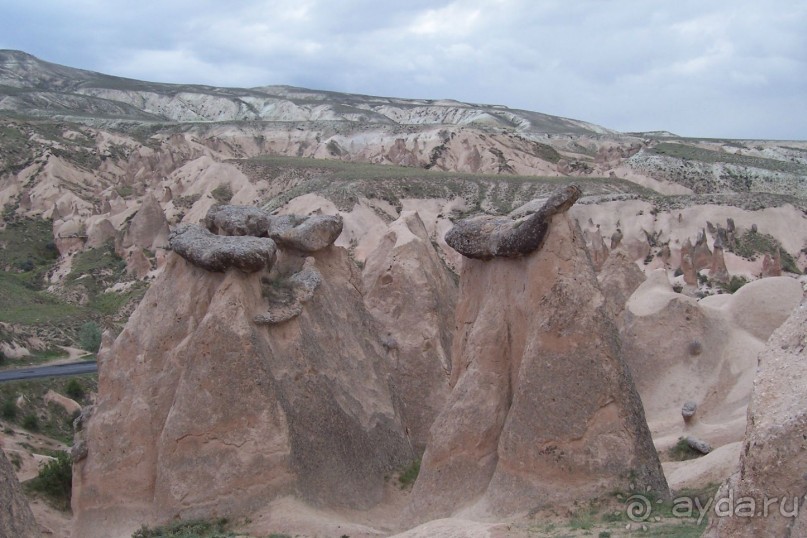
(73, 368)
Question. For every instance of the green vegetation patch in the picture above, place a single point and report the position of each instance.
(54, 481)
(408, 476)
(694, 153)
(752, 244)
(37, 415)
(21, 304)
(187, 529)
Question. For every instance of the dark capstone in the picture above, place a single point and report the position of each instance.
(219, 253)
(237, 220)
(488, 237)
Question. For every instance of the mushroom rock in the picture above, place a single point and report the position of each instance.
(616, 239)
(486, 237)
(220, 253)
(542, 409)
(201, 411)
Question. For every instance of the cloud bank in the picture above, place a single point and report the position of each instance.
(722, 68)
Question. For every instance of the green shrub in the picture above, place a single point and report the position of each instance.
(9, 410)
(89, 337)
(31, 422)
(74, 389)
(223, 193)
(55, 480)
(409, 475)
(186, 529)
(681, 451)
(734, 284)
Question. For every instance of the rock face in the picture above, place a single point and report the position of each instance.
(149, 227)
(486, 237)
(203, 413)
(412, 294)
(308, 234)
(619, 278)
(237, 220)
(16, 519)
(774, 454)
(219, 253)
(543, 408)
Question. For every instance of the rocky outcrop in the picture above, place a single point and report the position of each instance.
(542, 408)
(717, 270)
(16, 519)
(412, 294)
(219, 253)
(148, 228)
(305, 234)
(619, 278)
(237, 220)
(771, 470)
(288, 294)
(203, 413)
(486, 237)
(772, 266)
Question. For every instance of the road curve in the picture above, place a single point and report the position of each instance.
(56, 370)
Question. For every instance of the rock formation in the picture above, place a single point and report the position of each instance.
(717, 270)
(220, 253)
(486, 237)
(148, 228)
(542, 408)
(412, 294)
(237, 220)
(227, 389)
(16, 519)
(619, 278)
(774, 455)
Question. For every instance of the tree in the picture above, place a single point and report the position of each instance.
(89, 337)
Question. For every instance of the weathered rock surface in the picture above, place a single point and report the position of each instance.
(412, 295)
(288, 294)
(487, 237)
(306, 234)
(543, 409)
(688, 410)
(16, 519)
(774, 454)
(149, 227)
(699, 445)
(203, 413)
(219, 253)
(619, 278)
(237, 220)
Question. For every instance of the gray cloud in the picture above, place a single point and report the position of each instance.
(720, 68)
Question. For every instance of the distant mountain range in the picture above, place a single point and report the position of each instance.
(31, 86)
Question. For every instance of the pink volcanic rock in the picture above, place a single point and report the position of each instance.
(774, 454)
(201, 412)
(542, 409)
(412, 294)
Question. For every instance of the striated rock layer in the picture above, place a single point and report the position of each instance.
(766, 497)
(543, 408)
(203, 413)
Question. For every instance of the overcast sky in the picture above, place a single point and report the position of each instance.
(716, 68)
